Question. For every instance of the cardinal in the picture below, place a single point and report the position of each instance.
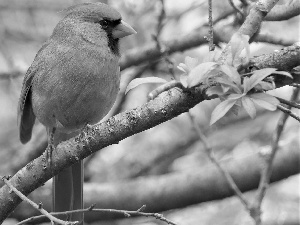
(73, 81)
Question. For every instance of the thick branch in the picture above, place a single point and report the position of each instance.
(284, 60)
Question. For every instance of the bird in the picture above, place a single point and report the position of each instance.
(74, 78)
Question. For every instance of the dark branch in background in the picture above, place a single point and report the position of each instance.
(177, 190)
(289, 103)
(271, 39)
(284, 12)
(288, 112)
(10, 75)
(269, 158)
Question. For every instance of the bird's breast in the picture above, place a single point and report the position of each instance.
(79, 88)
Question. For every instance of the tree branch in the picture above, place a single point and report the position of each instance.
(284, 12)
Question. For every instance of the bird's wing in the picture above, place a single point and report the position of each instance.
(26, 117)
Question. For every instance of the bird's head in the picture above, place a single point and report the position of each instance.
(95, 23)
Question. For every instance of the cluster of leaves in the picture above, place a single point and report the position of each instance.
(235, 91)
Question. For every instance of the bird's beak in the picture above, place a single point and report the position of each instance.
(122, 30)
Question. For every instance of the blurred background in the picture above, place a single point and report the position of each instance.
(169, 149)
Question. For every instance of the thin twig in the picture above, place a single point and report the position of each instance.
(165, 87)
(126, 213)
(211, 28)
(288, 112)
(210, 155)
(159, 26)
(267, 170)
(289, 103)
(161, 18)
(38, 207)
(11, 75)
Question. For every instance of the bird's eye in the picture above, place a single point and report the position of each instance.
(104, 24)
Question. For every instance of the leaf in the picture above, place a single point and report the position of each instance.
(249, 106)
(229, 83)
(138, 81)
(200, 73)
(235, 96)
(258, 76)
(264, 100)
(264, 86)
(183, 67)
(238, 42)
(232, 73)
(221, 110)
